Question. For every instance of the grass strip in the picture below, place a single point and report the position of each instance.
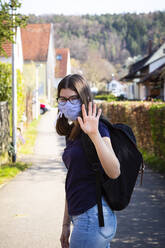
(154, 162)
(30, 138)
(10, 170)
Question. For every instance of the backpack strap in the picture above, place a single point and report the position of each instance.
(99, 197)
(141, 172)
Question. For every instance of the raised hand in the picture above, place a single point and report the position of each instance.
(89, 122)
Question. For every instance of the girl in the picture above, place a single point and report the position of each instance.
(77, 114)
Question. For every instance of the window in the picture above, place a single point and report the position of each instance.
(59, 57)
(113, 85)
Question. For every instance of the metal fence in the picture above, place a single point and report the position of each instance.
(4, 127)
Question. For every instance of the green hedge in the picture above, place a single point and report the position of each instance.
(147, 119)
(6, 95)
(108, 97)
(157, 123)
(6, 89)
(5, 82)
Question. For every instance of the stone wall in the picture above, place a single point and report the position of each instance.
(4, 127)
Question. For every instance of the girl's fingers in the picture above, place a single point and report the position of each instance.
(90, 109)
(84, 113)
(80, 121)
(94, 110)
(99, 113)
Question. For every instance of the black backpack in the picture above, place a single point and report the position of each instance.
(117, 192)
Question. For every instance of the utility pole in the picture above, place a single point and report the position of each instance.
(14, 91)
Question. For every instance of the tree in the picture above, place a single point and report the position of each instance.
(7, 24)
(97, 70)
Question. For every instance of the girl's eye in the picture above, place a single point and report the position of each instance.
(74, 98)
(61, 100)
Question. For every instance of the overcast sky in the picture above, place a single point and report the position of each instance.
(80, 7)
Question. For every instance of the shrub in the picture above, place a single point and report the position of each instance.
(6, 89)
(107, 97)
(147, 119)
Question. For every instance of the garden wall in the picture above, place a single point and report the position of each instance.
(4, 127)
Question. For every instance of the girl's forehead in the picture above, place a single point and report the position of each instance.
(67, 92)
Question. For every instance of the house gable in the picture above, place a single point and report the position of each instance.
(35, 41)
(62, 57)
(157, 55)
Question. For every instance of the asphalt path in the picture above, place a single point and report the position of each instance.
(32, 204)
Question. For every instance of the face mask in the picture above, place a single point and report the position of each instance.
(70, 111)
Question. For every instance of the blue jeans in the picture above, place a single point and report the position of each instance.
(86, 231)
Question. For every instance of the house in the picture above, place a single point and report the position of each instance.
(145, 75)
(39, 59)
(63, 64)
(7, 46)
(35, 57)
(155, 82)
(117, 88)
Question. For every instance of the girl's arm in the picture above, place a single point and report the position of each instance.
(66, 218)
(64, 239)
(89, 124)
(106, 155)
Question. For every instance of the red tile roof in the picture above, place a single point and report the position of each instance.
(61, 65)
(7, 46)
(35, 41)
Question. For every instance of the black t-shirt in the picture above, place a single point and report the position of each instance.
(80, 183)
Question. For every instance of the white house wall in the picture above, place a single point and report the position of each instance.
(142, 91)
(19, 53)
(116, 88)
(131, 96)
(50, 64)
(136, 91)
(56, 82)
(68, 64)
(156, 64)
(158, 54)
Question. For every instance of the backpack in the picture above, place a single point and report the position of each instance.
(117, 192)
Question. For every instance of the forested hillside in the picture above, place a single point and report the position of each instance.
(113, 38)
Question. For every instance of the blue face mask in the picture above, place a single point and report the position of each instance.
(71, 111)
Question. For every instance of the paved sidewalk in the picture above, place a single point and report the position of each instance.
(32, 204)
(142, 223)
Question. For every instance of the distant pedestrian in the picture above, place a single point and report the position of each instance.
(77, 113)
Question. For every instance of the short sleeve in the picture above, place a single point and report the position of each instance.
(104, 132)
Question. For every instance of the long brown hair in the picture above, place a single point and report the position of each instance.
(78, 84)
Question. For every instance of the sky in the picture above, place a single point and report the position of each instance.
(81, 7)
